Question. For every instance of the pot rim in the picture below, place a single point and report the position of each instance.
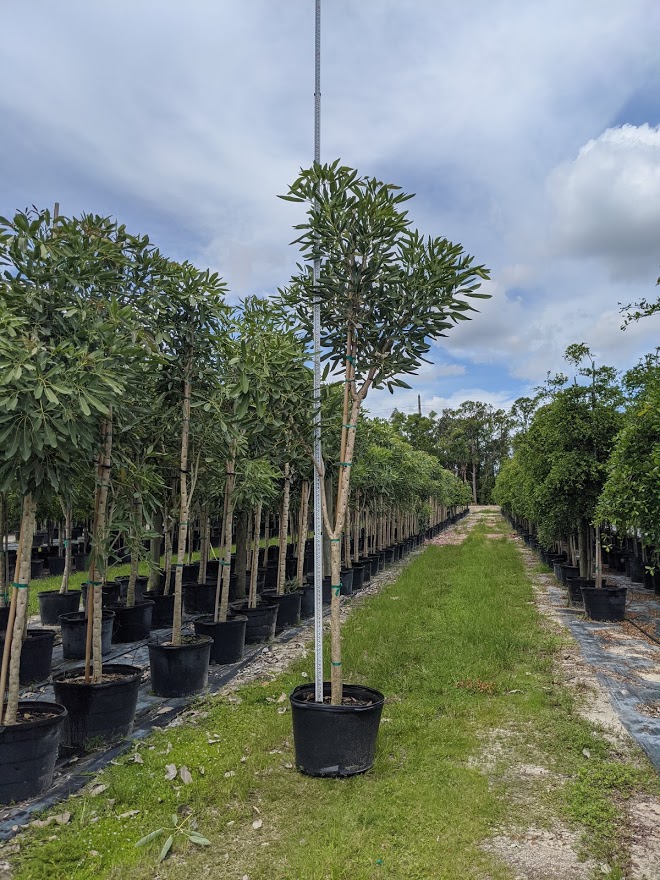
(45, 706)
(378, 703)
(200, 642)
(130, 674)
(208, 619)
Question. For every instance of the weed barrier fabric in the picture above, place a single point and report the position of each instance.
(619, 674)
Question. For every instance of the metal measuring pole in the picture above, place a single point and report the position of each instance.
(318, 521)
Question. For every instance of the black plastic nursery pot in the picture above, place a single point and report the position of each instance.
(110, 593)
(366, 566)
(80, 561)
(36, 569)
(358, 577)
(335, 740)
(132, 624)
(261, 622)
(288, 610)
(180, 670)
(102, 711)
(163, 610)
(307, 601)
(4, 618)
(53, 604)
(198, 598)
(74, 633)
(28, 750)
(568, 571)
(346, 581)
(605, 603)
(228, 637)
(36, 655)
(140, 588)
(56, 565)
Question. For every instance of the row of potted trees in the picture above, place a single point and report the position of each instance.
(581, 485)
(127, 378)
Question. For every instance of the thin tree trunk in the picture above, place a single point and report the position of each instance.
(284, 528)
(224, 568)
(302, 530)
(93, 653)
(184, 509)
(68, 518)
(155, 549)
(18, 611)
(242, 549)
(254, 565)
(135, 562)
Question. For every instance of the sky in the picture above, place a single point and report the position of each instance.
(529, 131)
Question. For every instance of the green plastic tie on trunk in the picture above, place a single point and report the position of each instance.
(350, 426)
(335, 663)
(346, 463)
(335, 540)
(336, 590)
(19, 586)
(178, 564)
(222, 562)
(350, 359)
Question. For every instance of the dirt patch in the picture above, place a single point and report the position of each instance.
(643, 816)
(543, 854)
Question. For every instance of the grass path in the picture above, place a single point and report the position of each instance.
(479, 743)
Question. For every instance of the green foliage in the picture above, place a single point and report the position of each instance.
(631, 495)
(393, 289)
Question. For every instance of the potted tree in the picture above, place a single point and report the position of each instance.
(192, 316)
(385, 293)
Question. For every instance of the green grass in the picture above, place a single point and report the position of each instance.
(457, 648)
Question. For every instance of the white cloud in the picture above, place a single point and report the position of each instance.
(607, 201)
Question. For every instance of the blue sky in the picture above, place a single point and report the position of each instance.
(529, 132)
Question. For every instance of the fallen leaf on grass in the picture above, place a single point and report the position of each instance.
(586, 753)
(97, 789)
(186, 776)
(128, 814)
(170, 772)
(257, 824)
(230, 773)
(281, 710)
(138, 759)
(281, 698)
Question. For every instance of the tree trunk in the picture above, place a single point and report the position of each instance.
(302, 530)
(184, 509)
(224, 569)
(18, 612)
(582, 550)
(204, 527)
(68, 527)
(242, 548)
(135, 561)
(284, 528)
(254, 564)
(155, 550)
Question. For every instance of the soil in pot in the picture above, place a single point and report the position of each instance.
(102, 711)
(36, 655)
(606, 603)
(132, 624)
(288, 612)
(261, 622)
(228, 637)
(28, 750)
(53, 604)
(335, 740)
(74, 634)
(180, 670)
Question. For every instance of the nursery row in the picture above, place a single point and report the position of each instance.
(582, 483)
(104, 712)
